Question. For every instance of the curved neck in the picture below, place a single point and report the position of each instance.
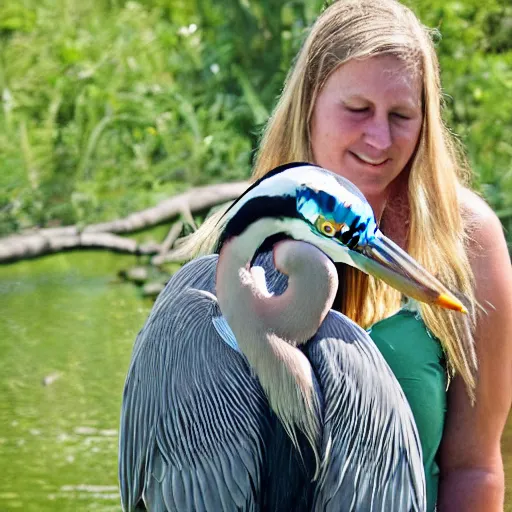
(297, 314)
(268, 328)
(245, 301)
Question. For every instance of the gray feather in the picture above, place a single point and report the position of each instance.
(182, 411)
(375, 462)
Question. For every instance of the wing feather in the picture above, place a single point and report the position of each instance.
(194, 419)
(373, 458)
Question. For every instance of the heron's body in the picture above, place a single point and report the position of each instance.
(246, 393)
(199, 434)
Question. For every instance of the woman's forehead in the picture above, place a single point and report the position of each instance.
(383, 75)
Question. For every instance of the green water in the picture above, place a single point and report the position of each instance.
(65, 319)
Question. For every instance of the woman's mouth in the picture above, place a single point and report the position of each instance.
(365, 159)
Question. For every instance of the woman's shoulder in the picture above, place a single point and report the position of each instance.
(483, 228)
(474, 208)
(487, 247)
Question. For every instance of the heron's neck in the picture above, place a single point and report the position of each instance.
(268, 328)
(296, 314)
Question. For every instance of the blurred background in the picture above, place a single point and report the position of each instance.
(109, 107)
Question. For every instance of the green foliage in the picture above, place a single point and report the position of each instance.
(109, 106)
(109, 110)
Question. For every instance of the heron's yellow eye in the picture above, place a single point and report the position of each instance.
(325, 227)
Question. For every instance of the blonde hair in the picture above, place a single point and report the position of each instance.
(428, 197)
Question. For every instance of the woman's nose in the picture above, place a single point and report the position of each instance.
(378, 133)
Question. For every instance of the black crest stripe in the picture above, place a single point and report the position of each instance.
(273, 172)
(258, 208)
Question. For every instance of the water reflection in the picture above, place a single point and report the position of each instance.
(66, 335)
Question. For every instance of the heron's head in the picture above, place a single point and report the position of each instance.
(305, 202)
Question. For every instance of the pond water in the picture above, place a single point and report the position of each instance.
(66, 333)
(67, 328)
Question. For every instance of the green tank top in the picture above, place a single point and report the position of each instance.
(418, 362)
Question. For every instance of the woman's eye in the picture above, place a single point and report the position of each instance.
(399, 115)
(356, 110)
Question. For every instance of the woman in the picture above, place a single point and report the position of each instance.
(363, 100)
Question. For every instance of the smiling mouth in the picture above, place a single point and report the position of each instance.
(369, 161)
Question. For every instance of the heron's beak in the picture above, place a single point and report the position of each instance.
(383, 259)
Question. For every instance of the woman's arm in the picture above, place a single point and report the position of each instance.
(470, 460)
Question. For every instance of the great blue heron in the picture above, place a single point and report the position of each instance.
(247, 393)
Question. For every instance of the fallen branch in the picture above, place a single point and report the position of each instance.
(167, 244)
(169, 257)
(171, 237)
(18, 247)
(102, 236)
(194, 200)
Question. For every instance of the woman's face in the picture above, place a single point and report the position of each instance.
(366, 123)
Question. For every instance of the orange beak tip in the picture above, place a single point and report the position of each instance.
(450, 302)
